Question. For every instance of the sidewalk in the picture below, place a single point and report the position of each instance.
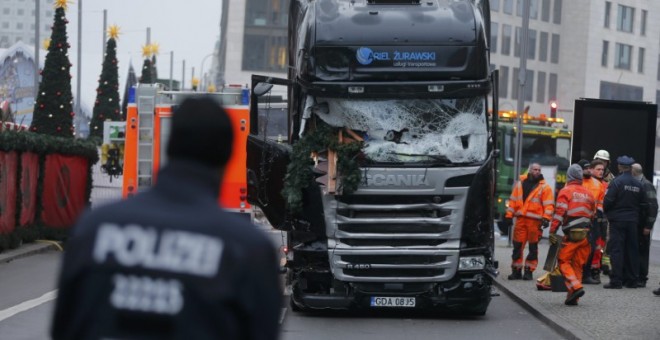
(601, 313)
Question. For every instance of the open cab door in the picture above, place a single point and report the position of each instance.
(268, 149)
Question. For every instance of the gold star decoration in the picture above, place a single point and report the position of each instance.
(195, 81)
(113, 32)
(146, 51)
(62, 3)
(155, 48)
(45, 44)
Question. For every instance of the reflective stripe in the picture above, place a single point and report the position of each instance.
(535, 200)
(533, 215)
(573, 211)
(548, 202)
(558, 218)
(517, 265)
(562, 205)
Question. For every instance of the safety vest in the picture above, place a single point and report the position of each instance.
(573, 201)
(538, 205)
(597, 189)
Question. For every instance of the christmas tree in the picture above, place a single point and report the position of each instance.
(53, 109)
(146, 77)
(107, 94)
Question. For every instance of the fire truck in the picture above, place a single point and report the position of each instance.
(545, 140)
(148, 123)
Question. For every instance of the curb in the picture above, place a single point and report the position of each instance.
(28, 249)
(558, 325)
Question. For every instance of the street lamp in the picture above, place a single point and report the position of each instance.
(201, 72)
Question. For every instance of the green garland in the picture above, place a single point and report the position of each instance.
(300, 172)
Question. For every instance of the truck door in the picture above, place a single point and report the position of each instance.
(268, 149)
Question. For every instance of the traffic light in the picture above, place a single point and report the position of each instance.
(553, 109)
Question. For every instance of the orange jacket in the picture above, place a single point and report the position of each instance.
(538, 205)
(597, 189)
(573, 201)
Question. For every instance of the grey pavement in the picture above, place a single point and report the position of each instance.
(29, 249)
(601, 314)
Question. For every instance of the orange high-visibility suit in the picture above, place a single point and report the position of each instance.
(529, 214)
(597, 189)
(573, 201)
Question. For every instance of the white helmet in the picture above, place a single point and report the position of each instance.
(602, 154)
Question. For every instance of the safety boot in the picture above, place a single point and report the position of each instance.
(527, 276)
(595, 273)
(515, 275)
(589, 279)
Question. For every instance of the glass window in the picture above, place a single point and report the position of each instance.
(552, 87)
(543, 46)
(508, 7)
(5, 25)
(264, 53)
(622, 56)
(529, 85)
(642, 24)
(5, 10)
(545, 10)
(540, 88)
(608, 9)
(554, 49)
(506, 39)
(20, 11)
(616, 91)
(493, 37)
(658, 75)
(640, 60)
(516, 42)
(534, 9)
(531, 44)
(605, 55)
(495, 5)
(504, 81)
(624, 18)
(556, 13)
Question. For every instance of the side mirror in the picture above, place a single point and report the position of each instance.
(262, 88)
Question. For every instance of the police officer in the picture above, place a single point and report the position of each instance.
(646, 222)
(169, 263)
(623, 200)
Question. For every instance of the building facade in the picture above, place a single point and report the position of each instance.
(17, 21)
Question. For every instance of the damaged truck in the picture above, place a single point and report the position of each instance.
(380, 168)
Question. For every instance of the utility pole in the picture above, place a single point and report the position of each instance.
(79, 71)
(522, 76)
(37, 27)
(105, 32)
(171, 69)
(183, 75)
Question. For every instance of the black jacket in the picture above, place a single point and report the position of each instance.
(624, 198)
(648, 216)
(168, 264)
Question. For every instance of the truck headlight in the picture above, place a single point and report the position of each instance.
(471, 262)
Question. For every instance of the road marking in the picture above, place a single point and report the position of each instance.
(27, 305)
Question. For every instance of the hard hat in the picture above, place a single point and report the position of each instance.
(602, 154)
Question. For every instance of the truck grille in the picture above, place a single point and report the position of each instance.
(394, 238)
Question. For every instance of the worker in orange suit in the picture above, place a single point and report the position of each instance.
(532, 205)
(574, 211)
(591, 270)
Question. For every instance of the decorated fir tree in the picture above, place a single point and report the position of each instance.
(107, 103)
(53, 109)
(146, 77)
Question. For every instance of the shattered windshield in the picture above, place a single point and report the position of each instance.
(448, 131)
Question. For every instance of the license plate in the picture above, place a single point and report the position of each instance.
(392, 301)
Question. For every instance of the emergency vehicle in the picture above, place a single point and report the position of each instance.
(545, 140)
(148, 123)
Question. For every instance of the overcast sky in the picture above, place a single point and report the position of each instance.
(190, 28)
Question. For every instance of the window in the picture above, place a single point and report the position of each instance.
(508, 7)
(556, 13)
(49, 14)
(493, 37)
(552, 86)
(533, 9)
(264, 53)
(516, 42)
(495, 5)
(540, 88)
(32, 27)
(620, 91)
(608, 9)
(5, 10)
(506, 39)
(554, 49)
(545, 10)
(658, 75)
(605, 55)
(19, 25)
(543, 46)
(5, 25)
(504, 81)
(622, 56)
(20, 11)
(642, 24)
(531, 44)
(640, 60)
(624, 19)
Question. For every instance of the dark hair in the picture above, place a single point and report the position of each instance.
(596, 162)
(201, 131)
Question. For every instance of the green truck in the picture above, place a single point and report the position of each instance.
(545, 140)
